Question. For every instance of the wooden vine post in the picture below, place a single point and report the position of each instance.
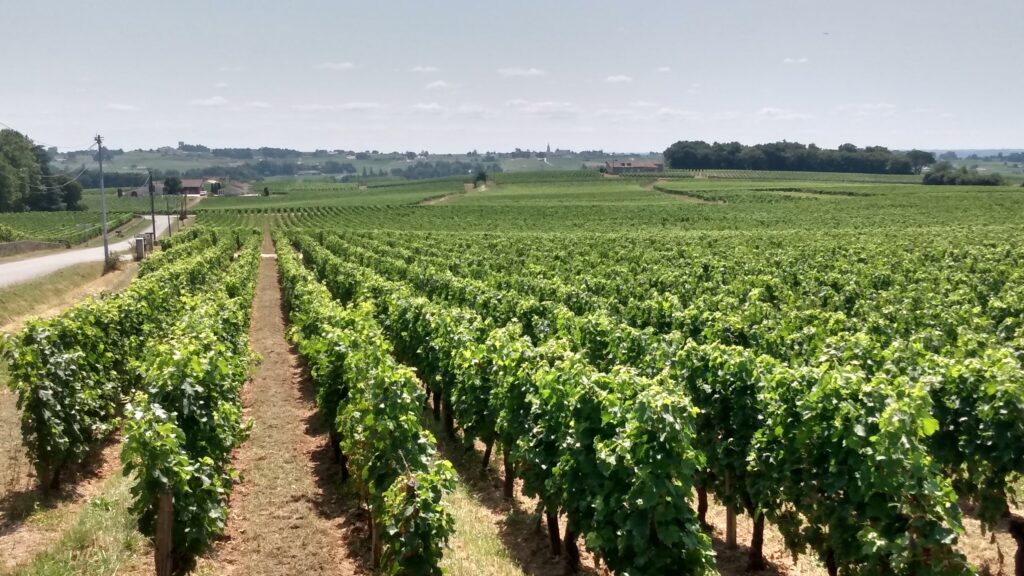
(164, 534)
(730, 518)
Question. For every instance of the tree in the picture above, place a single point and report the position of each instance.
(266, 191)
(481, 176)
(71, 195)
(172, 185)
(900, 165)
(919, 159)
(20, 171)
(944, 173)
(789, 156)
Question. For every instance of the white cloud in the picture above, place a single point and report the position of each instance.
(663, 69)
(473, 111)
(122, 107)
(618, 79)
(359, 106)
(315, 107)
(437, 85)
(428, 107)
(335, 66)
(642, 104)
(666, 112)
(800, 60)
(617, 114)
(781, 114)
(227, 68)
(212, 101)
(221, 85)
(512, 72)
(546, 109)
(425, 69)
(343, 107)
(868, 109)
(260, 104)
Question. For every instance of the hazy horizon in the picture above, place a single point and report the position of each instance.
(450, 78)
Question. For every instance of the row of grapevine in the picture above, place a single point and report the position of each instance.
(373, 405)
(185, 419)
(613, 452)
(175, 248)
(734, 397)
(183, 237)
(976, 386)
(72, 372)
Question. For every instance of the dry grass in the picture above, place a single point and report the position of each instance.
(983, 550)
(733, 562)
(289, 514)
(16, 474)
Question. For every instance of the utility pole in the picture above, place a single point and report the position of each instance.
(152, 204)
(103, 207)
(167, 209)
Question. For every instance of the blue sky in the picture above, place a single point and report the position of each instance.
(455, 75)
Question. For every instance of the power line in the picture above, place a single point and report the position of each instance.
(75, 177)
(39, 142)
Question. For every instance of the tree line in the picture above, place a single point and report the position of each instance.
(945, 173)
(266, 168)
(442, 169)
(793, 156)
(28, 183)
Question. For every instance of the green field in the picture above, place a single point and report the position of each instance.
(587, 203)
(838, 359)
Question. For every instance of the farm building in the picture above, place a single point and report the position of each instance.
(632, 167)
(192, 186)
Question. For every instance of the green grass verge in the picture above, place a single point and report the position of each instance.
(102, 539)
(476, 547)
(27, 297)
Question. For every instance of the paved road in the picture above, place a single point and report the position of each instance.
(22, 270)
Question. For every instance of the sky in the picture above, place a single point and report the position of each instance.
(459, 75)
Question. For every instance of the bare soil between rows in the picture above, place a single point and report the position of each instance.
(289, 514)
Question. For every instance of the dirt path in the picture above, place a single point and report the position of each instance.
(467, 188)
(286, 514)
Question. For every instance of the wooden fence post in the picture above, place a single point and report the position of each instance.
(164, 534)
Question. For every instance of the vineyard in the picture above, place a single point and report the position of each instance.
(837, 363)
(63, 227)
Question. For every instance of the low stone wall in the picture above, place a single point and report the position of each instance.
(24, 246)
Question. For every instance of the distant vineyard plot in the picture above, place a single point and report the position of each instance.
(67, 227)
